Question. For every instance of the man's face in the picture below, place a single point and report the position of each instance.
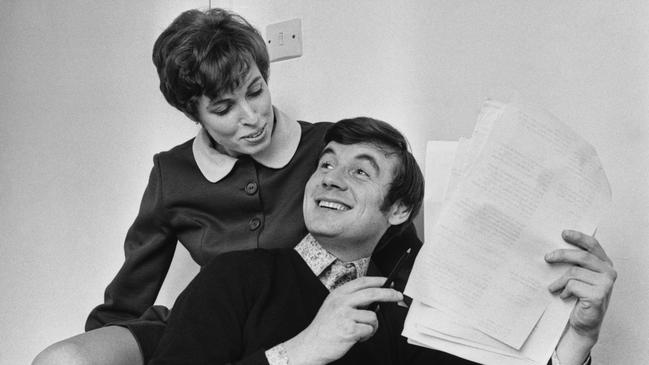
(342, 199)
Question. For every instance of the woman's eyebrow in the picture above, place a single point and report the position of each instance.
(227, 99)
(257, 78)
(215, 102)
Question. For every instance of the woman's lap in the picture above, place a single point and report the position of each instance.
(112, 345)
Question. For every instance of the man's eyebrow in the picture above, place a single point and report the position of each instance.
(227, 99)
(370, 159)
(326, 151)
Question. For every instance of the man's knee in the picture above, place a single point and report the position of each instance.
(64, 352)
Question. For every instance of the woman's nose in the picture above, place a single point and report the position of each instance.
(248, 115)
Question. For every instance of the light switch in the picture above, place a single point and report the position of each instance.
(284, 40)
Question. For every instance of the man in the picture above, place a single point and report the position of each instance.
(302, 306)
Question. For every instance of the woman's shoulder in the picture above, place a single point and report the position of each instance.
(179, 156)
(313, 133)
(314, 127)
(179, 150)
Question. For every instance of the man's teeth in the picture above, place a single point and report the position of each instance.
(332, 205)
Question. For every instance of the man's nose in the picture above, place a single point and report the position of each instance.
(335, 178)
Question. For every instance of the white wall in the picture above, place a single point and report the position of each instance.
(80, 118)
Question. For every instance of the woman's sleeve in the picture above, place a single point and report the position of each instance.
(149, 248)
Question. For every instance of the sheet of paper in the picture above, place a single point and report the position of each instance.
(484, 258)
(443, 326)
(470, 149)
(437, 176)
(473, 354)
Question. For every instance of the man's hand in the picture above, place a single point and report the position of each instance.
(590, 280)
(341, 322)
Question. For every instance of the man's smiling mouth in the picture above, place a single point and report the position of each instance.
(332, 205)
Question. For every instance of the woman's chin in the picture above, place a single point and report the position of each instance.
(256, 148)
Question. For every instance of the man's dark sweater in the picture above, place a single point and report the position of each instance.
(246, 302)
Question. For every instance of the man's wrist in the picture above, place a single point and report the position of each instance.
(277, 355)
(573, 348)
(555, 360)
(298, 353)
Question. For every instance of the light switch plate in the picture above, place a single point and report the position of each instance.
(284, 40)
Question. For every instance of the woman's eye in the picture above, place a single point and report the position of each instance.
(256, 92)
(221, 112)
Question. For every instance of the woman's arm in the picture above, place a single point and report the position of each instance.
(149, 248)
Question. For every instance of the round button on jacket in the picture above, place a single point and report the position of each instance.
(251, 188)
(254, 223)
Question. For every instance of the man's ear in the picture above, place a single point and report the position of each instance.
(399, 213)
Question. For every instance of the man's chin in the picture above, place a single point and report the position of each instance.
(322, 230)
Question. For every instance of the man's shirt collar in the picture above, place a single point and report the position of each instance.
(215, 165)
(319, 260)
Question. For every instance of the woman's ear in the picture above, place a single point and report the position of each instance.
(399, 213)
(192, 118)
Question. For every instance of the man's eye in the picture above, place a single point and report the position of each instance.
(325, 165)
(361, 172)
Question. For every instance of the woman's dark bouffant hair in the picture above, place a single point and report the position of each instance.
(206, 53)
(408, 182)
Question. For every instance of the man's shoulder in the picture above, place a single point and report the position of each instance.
(243, 263)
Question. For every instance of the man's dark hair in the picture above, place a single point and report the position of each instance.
(408, 182)
(206, 53)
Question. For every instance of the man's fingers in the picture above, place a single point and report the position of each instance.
(575, 273)
(365, 316)
(365, 297)
(577, 257)
(362, 283)
(580, 290)
(586, 242)
(363, 332)
(363, 291)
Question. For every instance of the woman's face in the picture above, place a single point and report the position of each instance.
(241, 122)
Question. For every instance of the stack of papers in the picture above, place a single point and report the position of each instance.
(495, 204)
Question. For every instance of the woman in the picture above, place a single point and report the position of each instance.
(237, 185)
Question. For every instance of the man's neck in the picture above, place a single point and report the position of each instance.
(347, 251)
